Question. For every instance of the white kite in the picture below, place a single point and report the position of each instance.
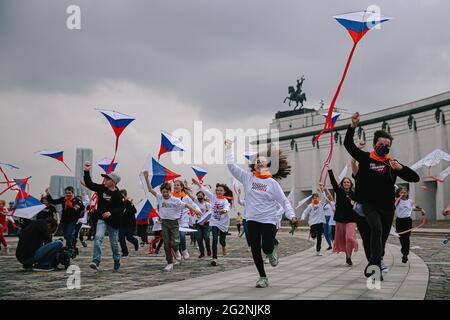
(343, 173)
(431, 159)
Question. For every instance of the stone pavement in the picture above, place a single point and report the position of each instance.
(300, 276)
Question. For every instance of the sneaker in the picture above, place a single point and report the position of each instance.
(319, 254)
(178, 255)
(185, 255)
(329, 248)
(262, 282)
(214, 262)
(43, 269)
(208, 253)
(176, 262)
(384, 267)
(201, 256)
(124, 255)
(266, 260)
(142, 244)
(116, 265)
(273, 257)
(224, 251)
(168, 268)
(84, 244)
(349, 261)
(405, 259)
(94, 265)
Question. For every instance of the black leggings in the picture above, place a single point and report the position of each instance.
(403, 224)
(316, 231)
(142, 232)
(380, 222)
(261, 236)
(364, 232)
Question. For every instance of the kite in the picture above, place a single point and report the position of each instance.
(26, 206)
(250, 156)
(10, 184)
(357, 25)
(204, 219)
(145, 210)
(343, 173)
(199, 172)
(57, 155)
(187, 230)
(105, 163)
(432, 159)
(157, 173)
(169, 143)
(10, 166)
(118, 122)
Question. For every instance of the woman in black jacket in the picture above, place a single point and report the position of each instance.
(127, 225)
(345, 235)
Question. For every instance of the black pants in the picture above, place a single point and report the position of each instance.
(380, 222)
(218, 236)
(261, 236)
(403, 224)
(238, 228)
(157, 245)
(333, 232)
(364, 232)
(127, 232)
(142, 231)
(316, 231)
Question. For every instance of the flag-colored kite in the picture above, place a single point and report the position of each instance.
(199, 172)
(204, 219)
(26, 206)
(145, 210)
(157, 173)
(105, 164)
(118, 122)
(357, 25)
(250, 156)
(169, 143)
(57, 155)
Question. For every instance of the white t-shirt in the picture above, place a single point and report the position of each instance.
(404, 208)
(170, 209)
(314, 213)
(262, 196)
(156, 226)
(221, 221)
(186, 215)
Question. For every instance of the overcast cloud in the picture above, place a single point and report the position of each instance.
(225, 62)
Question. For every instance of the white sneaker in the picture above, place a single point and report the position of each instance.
(185, 254)
(384, 268)
(168, 268)
(319, 254)
(178, 255)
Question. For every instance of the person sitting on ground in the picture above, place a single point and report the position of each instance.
(35, 249)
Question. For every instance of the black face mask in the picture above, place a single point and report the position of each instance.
(200, 199)
(382, 150)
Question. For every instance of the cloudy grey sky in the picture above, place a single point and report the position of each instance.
(225, 62)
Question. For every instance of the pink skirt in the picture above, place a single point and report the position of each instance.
(345, 238)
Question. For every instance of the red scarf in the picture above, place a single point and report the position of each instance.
(263, 175)
(69, 202)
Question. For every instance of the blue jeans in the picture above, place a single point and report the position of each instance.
(217, 236)
(69, 233)
(182, 240)
(113, 240)
(45, 256)
(327, 230)
(202, 234)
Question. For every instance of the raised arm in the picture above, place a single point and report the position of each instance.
(88, 181)
(234, 169)
(349, 144)
(149, 186)
(333, 181)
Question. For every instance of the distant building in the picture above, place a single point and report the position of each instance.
(418, 128)
(82, 155)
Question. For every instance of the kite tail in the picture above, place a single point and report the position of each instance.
(424, 221)
(67, 166)
(338, 90)
(328, 160)
(11, 186)
(5, 176)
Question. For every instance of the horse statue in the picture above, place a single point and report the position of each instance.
(296, 95)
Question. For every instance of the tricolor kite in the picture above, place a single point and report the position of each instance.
(26, 206)
(250, 156)
(145, 210)
(199, 172)
(118, 122)
(105, 164)
(57, 155)
(157, 174)
(169, 143)
(204, 219)
(10, 184)
(357, 24)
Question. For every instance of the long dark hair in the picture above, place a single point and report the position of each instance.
(342, 183)
(228, 193)
(284, 169)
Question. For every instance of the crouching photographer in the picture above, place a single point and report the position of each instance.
(36, 250)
